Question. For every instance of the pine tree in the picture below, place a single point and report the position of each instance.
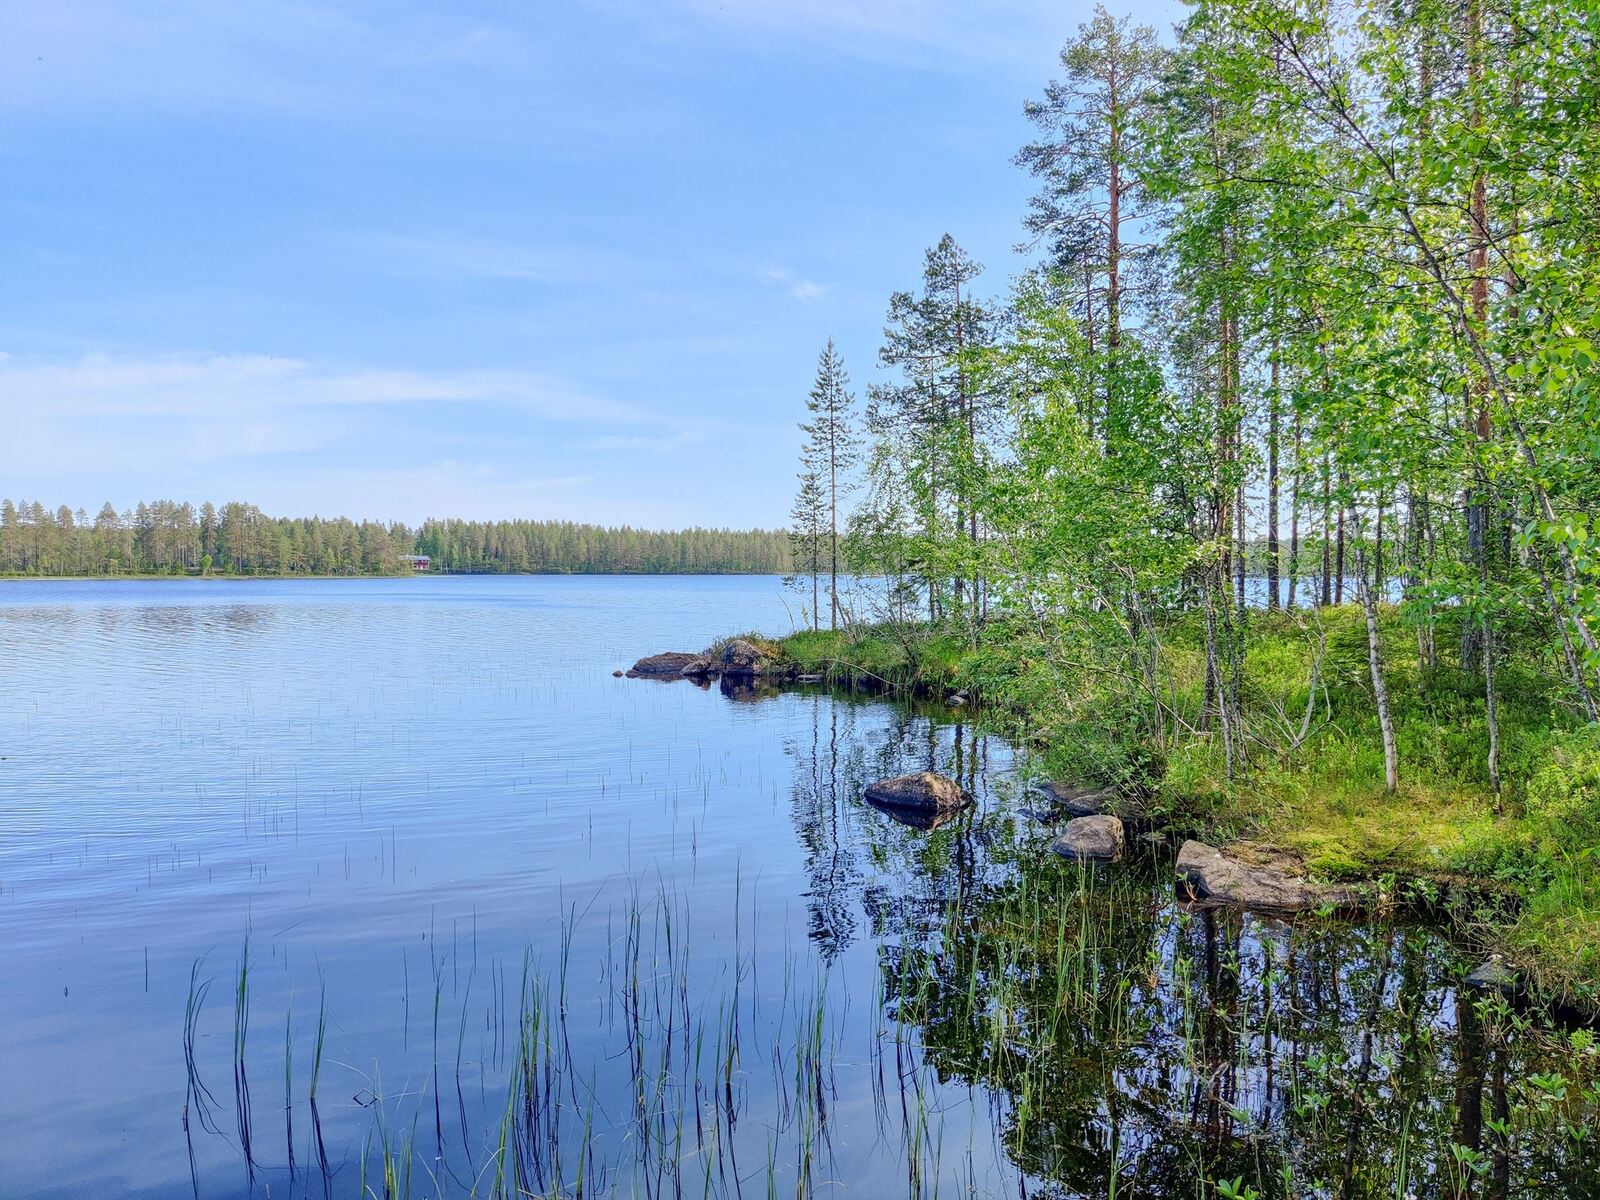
(809, 529)
(833, 446)
(1087, 163)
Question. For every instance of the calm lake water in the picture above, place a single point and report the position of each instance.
(561, 930)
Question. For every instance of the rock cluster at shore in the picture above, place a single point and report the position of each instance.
(1094, 831)
(737, 658)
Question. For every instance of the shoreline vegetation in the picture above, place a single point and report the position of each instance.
(168, 539)
(1514, 870)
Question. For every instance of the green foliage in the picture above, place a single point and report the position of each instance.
(1362, 299)
(167, 538)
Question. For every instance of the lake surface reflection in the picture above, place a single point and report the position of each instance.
(507, 925)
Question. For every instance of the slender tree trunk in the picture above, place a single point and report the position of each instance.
(1114, 222)
(1478, 390)
(961, 489)
(1586, 695)
(1225, 495)
(1090, 421)
(1380, 689)
(1421, 556)
(972, 522)
(833, 524)
(1273, 599)
(1327, 531)
(1338, 558)
(1491, 700)
(1294, 517)
(1240, 564)
(1377, 551)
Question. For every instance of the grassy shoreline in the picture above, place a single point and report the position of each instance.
(1519, 869)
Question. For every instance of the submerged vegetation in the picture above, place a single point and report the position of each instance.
(1269, 493)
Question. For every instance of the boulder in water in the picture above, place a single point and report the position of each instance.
(922, 792)
(1091, 839)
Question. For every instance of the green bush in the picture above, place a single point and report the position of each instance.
(1564, 796)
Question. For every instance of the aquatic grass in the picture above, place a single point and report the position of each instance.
(288, 1085)
(311, 1091)
(241, 1080)
(1047, 988)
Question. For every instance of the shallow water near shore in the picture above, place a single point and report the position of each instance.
(389, 887)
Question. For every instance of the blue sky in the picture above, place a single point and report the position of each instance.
(544, 259)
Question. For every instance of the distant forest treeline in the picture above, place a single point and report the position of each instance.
(168, 538)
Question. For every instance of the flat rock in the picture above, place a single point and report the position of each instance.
(661, 666)
(1078, 801)
(1207, 874)
(1091, 839)
(923, 792)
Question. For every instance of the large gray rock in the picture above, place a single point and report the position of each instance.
(921, 792)
(1078, 801)
(1091, 839)
(1207, 874)
(741, 658)
(661, 666)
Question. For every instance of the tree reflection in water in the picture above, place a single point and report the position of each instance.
(1133, 1046)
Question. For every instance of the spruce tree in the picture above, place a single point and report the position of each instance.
(833, 447)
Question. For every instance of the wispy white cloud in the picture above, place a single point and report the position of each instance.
(339, 63)
(803, 290)
(98, 386)
(301, 435)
